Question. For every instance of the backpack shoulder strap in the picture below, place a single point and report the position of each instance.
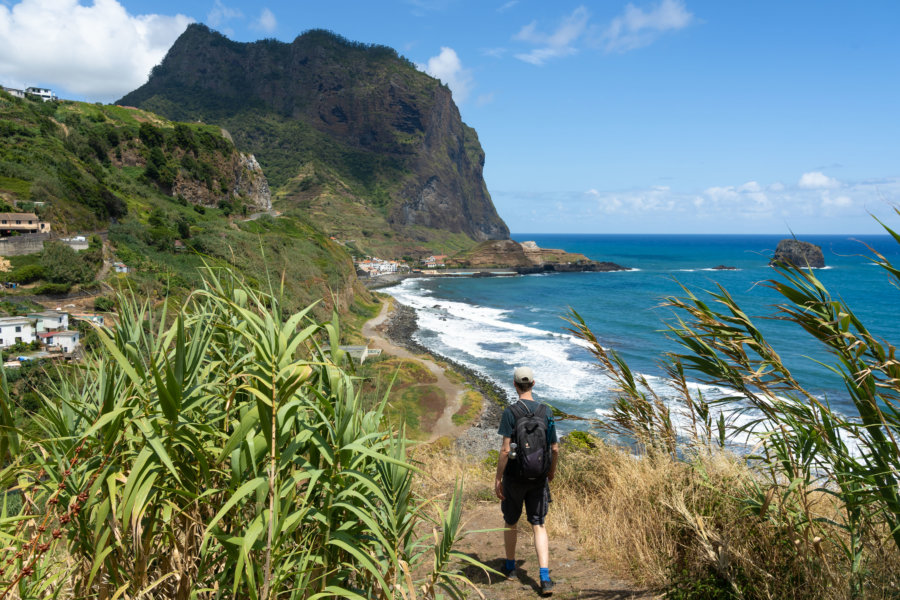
(541, 410)
(519, 410)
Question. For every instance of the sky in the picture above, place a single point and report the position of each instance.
(605, 116)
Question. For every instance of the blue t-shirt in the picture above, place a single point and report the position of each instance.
(508, 421)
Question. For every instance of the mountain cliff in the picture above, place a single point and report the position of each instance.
(353, 135)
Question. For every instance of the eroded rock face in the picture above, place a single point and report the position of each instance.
(799, 254)
(247, 183)
(251, 184)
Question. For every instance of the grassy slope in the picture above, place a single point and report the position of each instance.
(66, 155)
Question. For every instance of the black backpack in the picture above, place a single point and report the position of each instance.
(530, 435)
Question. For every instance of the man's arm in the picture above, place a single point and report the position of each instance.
(501, 466)
(554, 458)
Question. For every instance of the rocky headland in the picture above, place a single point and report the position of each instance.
(526, 258)
(804, 255)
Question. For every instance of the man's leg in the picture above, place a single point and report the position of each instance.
(509, 540)
(541, 546)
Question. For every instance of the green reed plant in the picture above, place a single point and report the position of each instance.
(220, 451)
(806, 451)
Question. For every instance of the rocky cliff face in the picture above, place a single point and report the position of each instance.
(387, 130)
(243, 180)
(800, 254)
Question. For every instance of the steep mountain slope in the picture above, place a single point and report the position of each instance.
(171, 196)
(352, 133)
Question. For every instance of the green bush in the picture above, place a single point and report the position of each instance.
(53, 289)
(26, 274)
(104, 304)
(61, 264)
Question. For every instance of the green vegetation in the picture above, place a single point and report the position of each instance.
(415, 402)
(58, 152)
(224, 452)
(819, 506)
(470, 409)
(68, 156)
(62, 264)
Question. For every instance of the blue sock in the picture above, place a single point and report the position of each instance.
(545, 574)
(510, 564)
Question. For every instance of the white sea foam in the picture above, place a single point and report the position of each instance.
(486, 340)
(714, 269)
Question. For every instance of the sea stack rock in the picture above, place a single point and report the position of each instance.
(800, 254)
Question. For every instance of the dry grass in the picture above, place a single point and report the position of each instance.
(684, 526)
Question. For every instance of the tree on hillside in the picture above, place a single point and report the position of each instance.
(61, 264)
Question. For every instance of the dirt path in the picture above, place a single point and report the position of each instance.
(576, 577)
(453, 392)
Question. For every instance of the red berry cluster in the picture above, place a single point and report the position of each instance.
(35, 548)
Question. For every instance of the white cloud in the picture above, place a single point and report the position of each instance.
(485, 99)
(266, 21)
(98, 51)
(637, 28)
(447, 67)
(718, 209)
(221, 14)
(507, 6)
(560, 42)
(817, 180)
(494, 52)
(839, 202)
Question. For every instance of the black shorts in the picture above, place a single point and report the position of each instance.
(535, 495)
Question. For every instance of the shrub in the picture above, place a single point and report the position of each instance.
(104, 304)
(61, 264)
(26, 274)
(53, 289)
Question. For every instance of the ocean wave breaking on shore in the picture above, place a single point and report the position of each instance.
(485, 340)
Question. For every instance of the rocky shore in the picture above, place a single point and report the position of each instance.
(383, 281)
(481, 437)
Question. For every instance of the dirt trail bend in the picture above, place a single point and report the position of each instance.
(453, 392)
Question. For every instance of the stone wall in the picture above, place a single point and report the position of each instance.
(17, 245)
(32, 243)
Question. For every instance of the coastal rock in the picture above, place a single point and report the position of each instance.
(800, 254)
(724, 268)
(527, 258)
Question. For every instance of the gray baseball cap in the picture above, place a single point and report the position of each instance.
(523, 375)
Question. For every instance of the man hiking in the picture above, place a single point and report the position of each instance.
(527, 464)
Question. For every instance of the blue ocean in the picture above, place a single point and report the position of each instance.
(494, 324)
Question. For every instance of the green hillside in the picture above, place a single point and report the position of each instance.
(149, 183)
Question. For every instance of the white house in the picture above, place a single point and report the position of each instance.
(15, 329)
(120, 267)
(44, 94)
(91, 317)
(14, 92)
(50, 320)
(66, 340)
